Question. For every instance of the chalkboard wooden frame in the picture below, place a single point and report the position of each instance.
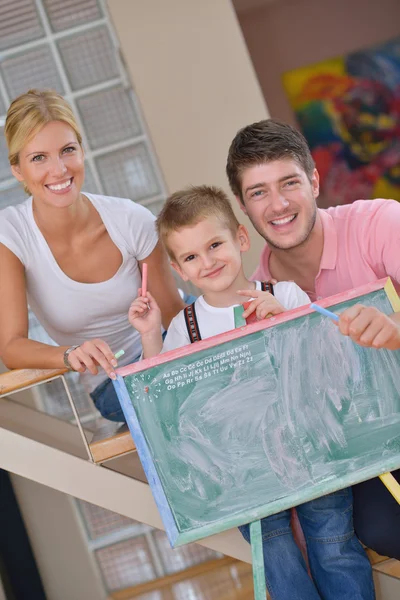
(176, 535)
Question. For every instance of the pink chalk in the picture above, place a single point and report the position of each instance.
(144, 279)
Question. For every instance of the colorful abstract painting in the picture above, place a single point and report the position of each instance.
(349, 110)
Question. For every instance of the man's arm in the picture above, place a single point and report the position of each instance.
(380, 240)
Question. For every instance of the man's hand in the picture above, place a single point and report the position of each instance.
(369, 327)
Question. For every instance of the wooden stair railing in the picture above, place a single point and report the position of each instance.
(109, 441)
(20, 379)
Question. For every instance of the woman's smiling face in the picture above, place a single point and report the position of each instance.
(51, 165)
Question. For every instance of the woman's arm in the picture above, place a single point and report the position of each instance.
(19, 352)
(16, 350)
(162, 284)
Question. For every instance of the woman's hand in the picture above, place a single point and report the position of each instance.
(92, 354)
(264, 304)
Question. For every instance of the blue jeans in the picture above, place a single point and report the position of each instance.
(339, 567)
(106, 401)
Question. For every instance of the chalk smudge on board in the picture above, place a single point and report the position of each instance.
(307, 407)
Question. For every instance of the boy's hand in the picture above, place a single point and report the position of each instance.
(264, 304)
(369, 327)
(144, 314)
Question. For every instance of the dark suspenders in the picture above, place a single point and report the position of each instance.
(267, 287)
(191, 319)
(192, 324)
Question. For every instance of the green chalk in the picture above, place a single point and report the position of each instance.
(119, 353)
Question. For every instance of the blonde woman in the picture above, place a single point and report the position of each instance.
(75, 257)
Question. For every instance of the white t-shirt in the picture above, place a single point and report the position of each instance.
(72, 312)
(213, 320)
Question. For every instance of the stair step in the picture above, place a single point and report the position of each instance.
(167, 582)
(111, 440)
(391, 566)
(374, 557)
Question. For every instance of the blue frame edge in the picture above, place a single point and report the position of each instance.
(146, 460)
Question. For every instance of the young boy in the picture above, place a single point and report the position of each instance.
(205, 243)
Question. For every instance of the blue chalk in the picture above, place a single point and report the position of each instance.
(324, 311)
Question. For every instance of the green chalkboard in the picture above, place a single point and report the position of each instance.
(248, 427)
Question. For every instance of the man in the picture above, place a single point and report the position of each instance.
(273, 176)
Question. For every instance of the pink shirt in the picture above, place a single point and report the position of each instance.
(361, 245)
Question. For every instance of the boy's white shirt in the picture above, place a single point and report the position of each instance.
(213, 320)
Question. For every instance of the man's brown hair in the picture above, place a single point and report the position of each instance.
(191, 205)
(263, 142)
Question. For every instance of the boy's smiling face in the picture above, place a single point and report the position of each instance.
(209, 254)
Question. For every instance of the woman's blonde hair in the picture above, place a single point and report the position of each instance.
(31, 111)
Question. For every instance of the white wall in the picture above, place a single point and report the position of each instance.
(192, 73)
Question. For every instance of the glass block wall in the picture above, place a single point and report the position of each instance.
(130, 553)
(71, 47)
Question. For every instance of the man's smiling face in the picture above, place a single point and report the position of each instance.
(280, 201)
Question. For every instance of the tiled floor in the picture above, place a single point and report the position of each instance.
(233, 582)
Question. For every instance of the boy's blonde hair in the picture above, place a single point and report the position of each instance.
(191, 205)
